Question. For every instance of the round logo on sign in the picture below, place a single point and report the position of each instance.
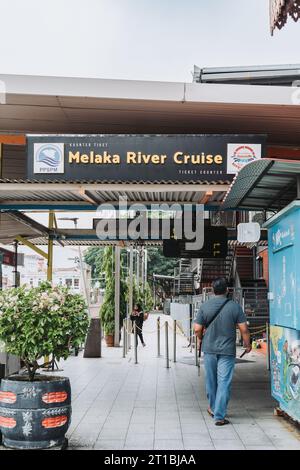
(50, 155)
(243, 155)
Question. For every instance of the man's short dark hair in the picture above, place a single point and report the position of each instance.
(219, 286)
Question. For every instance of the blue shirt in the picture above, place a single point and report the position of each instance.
(220, 337)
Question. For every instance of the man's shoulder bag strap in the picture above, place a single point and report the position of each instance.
(213, 319)
(216, 314)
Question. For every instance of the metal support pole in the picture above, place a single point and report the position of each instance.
(117, 296)
(16, 279)
(146, 265)
(125, 336)
(174, 340)
(50, 267)
(130, 290)
(50, 249)
(135, 343)
(167, 344)
(143, 270)
(129, 328)
(138, 269)
(124, 339)
(158, 337)
(268, 345)
(196, 351)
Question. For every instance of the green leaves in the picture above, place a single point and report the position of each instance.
(107, 311)
(41, 321)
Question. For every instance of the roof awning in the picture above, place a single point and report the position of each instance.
(60, 105)
(22, 195)
(266, 184)
(10, 226)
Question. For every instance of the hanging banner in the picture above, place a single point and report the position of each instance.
(141, 158)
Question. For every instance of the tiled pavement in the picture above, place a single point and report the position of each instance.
(121, 405)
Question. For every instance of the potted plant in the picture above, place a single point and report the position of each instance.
(107, 311)
(35, 409)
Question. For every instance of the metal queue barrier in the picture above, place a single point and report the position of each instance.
(174, 327)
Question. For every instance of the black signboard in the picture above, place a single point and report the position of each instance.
(215, 245)
(141, 158)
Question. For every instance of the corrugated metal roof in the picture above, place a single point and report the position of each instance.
(10, 227)
(91, 194)
(94, 242)
(112, 182)
(267, 184)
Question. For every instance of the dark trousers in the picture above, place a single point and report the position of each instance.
(139, 332)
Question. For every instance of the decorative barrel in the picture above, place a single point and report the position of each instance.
(34, 415)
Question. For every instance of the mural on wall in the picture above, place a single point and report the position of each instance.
(285, 368)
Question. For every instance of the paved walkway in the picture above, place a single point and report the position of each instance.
(121, 405)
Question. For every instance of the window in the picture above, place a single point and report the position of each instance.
(76, 283)
(69, 282)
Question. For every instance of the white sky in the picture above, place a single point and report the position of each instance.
(139, 39)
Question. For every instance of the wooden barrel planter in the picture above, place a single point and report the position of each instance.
(34, 415)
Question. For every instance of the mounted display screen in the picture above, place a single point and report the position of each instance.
(215, 245)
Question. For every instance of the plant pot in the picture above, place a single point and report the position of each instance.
(34, 415)
(110, 341)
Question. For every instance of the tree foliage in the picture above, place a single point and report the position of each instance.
(142, 296)
(107, 310)
(157, 263)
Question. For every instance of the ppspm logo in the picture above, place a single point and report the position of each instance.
(48, 158)
(239, 155)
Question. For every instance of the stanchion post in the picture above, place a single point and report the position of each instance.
(167, 344)
(124, 339)
(268, 345)
(128, 334)
(135, 343)
(174, 341)
(158, 337)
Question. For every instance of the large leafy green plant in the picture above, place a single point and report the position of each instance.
(107, 311)
(41, 321)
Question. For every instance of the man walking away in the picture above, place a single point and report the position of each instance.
(216, 323)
